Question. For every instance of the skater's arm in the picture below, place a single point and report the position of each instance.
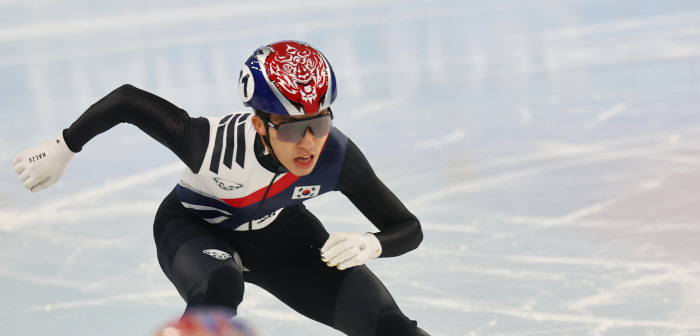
(171, 126)
(400, 230)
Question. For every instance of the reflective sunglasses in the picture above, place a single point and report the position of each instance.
(294, 131)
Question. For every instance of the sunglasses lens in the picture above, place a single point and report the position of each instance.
(320, 127)
(294, 131)
(290, 132)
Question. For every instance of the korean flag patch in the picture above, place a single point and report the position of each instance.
(306, 192)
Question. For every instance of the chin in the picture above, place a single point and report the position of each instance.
(299, 171)
(300, 174)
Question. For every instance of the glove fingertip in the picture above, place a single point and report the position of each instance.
(33, 181)
(42, 185)
(332, 240)
(19, 168)
(346, 264)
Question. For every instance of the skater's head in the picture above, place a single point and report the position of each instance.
(291, 86)
(296, 141)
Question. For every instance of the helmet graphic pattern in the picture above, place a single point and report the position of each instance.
(300, 73)
(287, 78)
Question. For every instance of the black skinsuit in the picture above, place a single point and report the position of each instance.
(282, 257)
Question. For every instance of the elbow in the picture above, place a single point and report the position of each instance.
(120, 100)
(126, 87)
(125, 90)
(120, 95)
(400, 241)
(417, 236)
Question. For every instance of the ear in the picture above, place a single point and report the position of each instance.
(259, 125)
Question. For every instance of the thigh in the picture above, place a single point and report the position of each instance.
(286, 262)
(350, 300)
(189, 253)
(362, 300)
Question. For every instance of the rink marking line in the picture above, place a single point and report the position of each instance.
(613, 293)
(140, 20)
(656, 144)
(82, 286)
(131, 20)
(142, 297)
(587, 155)
(65, 206)
(209, 37)
(180, 15)
(491, 182)
(87, 242)
(622, 264)
(605, 115)
(252, 305)
(545, 316)
(621, 25)
(632, 226)
(50, 281)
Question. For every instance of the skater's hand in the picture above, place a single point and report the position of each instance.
(43, 165)
(349, 249)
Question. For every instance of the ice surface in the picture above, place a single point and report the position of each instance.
(551, 150)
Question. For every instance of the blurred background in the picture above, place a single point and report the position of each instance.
(550, 148)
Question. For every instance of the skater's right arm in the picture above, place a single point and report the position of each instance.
(171, 126)
(43, 165)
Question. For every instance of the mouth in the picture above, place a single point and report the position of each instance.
(304, 162)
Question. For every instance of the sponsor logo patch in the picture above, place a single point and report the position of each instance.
(218, 254)
(37, 157)
(226, 184)
(306, 192)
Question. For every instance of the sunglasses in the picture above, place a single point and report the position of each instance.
(294, 131)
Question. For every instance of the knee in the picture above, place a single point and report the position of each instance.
(224, 287)
(397, 324)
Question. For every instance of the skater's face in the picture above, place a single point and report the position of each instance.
(298, 157)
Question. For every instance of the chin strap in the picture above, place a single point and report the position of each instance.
(250, 223)
(266, 140)
(268, 146)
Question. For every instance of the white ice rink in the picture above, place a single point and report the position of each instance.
(550, 148)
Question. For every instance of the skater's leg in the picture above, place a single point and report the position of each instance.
(353, 301)
(395, 323)
(365, 307)
(203, 266)
(284, 259)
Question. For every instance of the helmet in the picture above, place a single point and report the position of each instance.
(287, 78)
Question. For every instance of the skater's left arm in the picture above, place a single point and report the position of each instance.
(399, 230)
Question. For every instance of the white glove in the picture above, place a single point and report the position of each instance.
(43, 165)
(349, 249)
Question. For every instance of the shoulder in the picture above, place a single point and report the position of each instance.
(337, 140)
(335, 148)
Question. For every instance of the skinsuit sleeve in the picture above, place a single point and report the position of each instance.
(400, 230)
(171, 126)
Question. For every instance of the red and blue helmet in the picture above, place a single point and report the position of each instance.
(287, 78)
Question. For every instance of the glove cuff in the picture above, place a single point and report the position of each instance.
(374, 245)
(63, 151)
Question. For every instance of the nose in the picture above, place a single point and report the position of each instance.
(308, 141)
